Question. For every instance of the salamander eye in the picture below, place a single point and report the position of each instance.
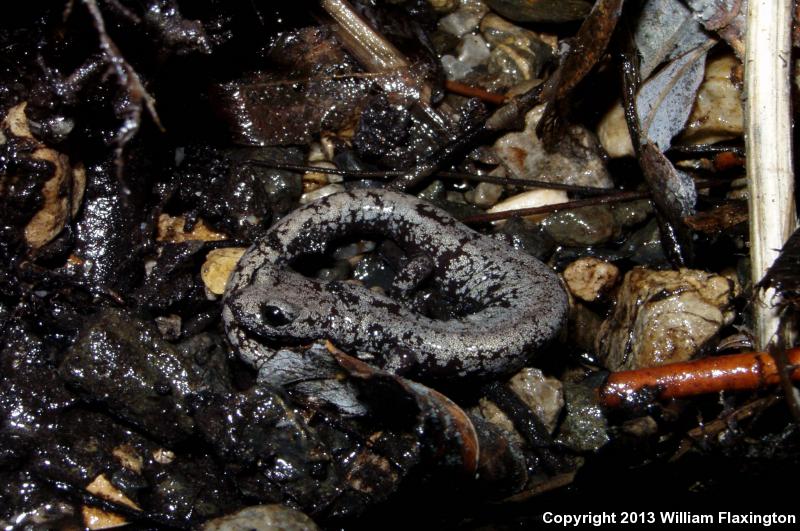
(275, 315)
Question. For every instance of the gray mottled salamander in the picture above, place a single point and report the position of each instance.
(520, 302)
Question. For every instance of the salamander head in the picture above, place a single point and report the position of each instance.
(272, 309)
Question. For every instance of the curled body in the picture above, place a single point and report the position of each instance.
(519, 303)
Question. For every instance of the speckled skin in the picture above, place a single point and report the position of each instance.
(521, 303)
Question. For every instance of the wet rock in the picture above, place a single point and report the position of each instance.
(644, 246)
(465, 19)
(531, 199)
(580, 227)
(485, 195)
(268, 445)
(631, 213)
(27, 502)
(455, 197)
(583, 326)
(517, 54)
(542, 394)
(527, 236)
(262, 518)
(169, 326)
(86, 445)
(575, 159)
(124, 364)
(171, 283)
(664, 316)
(433, 192)
(391, 134)
(718, 111)
(590, 278)
(31, 395)
(584, 428)
(495, 416)
(218, 267)
(541, 10)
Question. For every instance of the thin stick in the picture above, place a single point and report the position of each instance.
(768, 140)
(474, 92)
(736, 372)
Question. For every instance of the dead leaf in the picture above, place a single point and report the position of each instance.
(726, 17)
(665, 29)
(665, 100)
(586, 49)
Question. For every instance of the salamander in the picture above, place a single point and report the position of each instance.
(519, 303)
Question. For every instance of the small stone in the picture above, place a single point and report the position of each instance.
(433, 192)
(494, 415)
(527, 237)
(171, 229)
(320, 193)
(163, 456)
(443, 6)
(590, 278)
(641, 427)
(663, 317)
(472, 52)
(644, 246)
(718, 112)
(585, 428)
(631, 213)
(465, 19)
(531, 199)
(169, 326)
(517, 54)
(218, 267)
(574, 160)
(579, 227)
(612, 131)
(314, 180)
(542, 394)
(455, 197)
(345, 252)
(583, 326)
(262, 518)
(485, 195)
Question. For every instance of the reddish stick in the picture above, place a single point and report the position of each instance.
(736, 372)
(474, 92)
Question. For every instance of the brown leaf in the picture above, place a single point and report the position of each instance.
(721, 218)
(587, 48)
